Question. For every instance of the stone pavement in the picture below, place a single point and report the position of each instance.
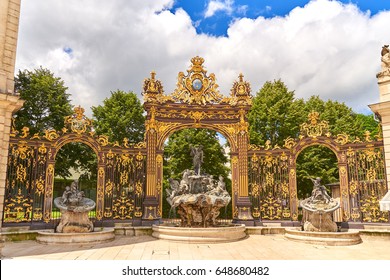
(255, 247)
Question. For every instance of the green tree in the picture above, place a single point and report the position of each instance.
(178, 157)
(120, 116)
(78, 158)
(368, 123)
(312, 162)
(275, 114)
(46, 104)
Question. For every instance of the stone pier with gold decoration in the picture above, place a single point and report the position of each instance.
(382, 111)
(197, 103)
(9, 100)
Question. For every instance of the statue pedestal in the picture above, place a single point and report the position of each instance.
(77, 222)
(319, 222)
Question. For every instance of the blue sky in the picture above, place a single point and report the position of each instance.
(214, 16)
(318, 47)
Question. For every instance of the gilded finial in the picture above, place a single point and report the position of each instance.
(79, 112)
(241, 77)
(152, 75)
(197, 60)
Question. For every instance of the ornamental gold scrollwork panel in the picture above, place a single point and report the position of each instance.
(269, 185)
(366, 184)
(124, 185)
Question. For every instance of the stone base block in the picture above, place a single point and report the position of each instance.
(200, 235)
(324, 238)
(95, 237)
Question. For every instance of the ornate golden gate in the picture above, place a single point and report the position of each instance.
(130, 176)
(30, 174)
(272, 174)
(197, 103)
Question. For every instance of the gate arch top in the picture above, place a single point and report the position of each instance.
(197, 103)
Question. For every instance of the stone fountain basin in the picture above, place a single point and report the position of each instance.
(95, 237)
(324, 238)
(200, 235)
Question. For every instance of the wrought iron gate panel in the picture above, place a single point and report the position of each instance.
(124, 184)
(269, 185)
(26, 175)
(367, 184)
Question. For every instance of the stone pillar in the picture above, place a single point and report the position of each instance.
(8, 105)
(243, 204)
(382, 110)
(9, 23)
(151, 203)
(9, 101)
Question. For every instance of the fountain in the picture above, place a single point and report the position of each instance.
(318, 225)
(75, 225)
(74, 208)
(198, 199)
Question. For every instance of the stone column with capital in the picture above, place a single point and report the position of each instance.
(382, 109)
(10, 102)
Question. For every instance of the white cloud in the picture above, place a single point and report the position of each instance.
(218, 5)
(324, 48)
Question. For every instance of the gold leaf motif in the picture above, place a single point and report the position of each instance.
(240, 92)
(39, 186)
(78, 122)
(196, 87)
(153, 90)
(25, 132)
(371, 211)
(123, 207)
(103, 140)
(353, 187)
(140, 145)
(314, 128)
(51, 134)
(109, 187)
(139, 189)
(371, 175)
(159, 160)
(342, 139)
(21, 173)
(271, 208)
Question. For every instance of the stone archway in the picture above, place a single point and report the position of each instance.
(197, 103)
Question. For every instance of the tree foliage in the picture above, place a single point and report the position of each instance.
(78, 158)
(178, 158)
(120, 116)
(46, 103)
(275, 114)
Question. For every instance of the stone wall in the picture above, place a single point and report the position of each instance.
(9, 101)
(9, 23)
